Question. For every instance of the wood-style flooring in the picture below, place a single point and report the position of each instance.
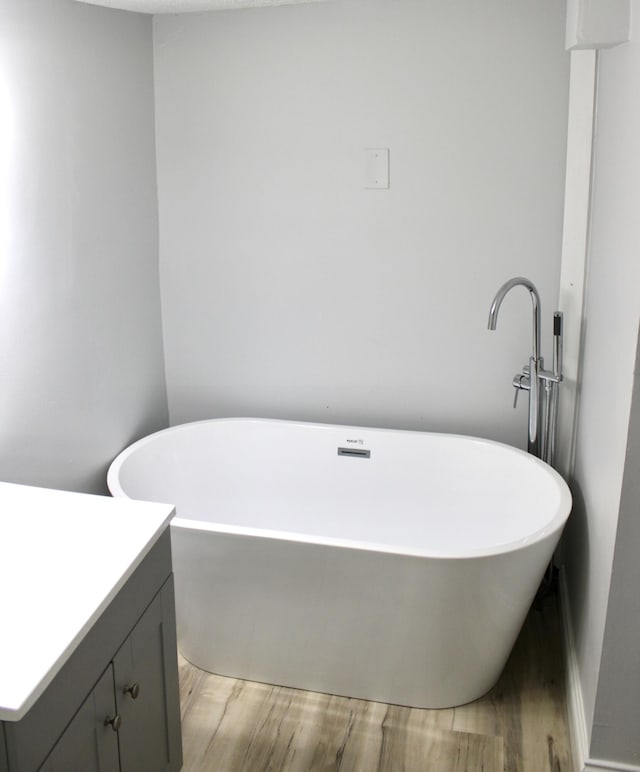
(520, 726)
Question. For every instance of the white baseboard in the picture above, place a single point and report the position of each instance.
(578, 730)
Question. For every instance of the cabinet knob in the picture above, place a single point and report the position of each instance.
(133, 690)
(115, 722)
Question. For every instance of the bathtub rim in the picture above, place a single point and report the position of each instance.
(554, 526)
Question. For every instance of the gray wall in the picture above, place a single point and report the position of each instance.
(617, 708)
(291, 291)
(612, 316)
(81, 362)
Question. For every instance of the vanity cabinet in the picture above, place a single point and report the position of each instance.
(114, 705)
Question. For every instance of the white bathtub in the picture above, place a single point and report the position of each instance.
(403, 577)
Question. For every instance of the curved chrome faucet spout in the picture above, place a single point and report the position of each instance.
(535, 300)
(531, 378)
(541, 384)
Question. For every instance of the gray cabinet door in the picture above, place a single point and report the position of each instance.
(88, 744)
(4, 764)
(145, 669)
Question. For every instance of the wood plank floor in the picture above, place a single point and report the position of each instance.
(520, 726)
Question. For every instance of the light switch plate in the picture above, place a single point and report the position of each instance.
(376, 167)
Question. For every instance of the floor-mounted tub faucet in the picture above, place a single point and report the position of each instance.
(541, 428)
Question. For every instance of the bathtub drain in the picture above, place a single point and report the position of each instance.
(357, 452)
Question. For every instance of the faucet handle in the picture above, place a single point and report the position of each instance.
(520, 381)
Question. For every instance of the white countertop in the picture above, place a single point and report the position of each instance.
(63, 558)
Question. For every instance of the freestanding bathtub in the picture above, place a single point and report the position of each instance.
(387, 565)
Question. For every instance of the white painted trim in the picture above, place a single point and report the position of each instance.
(578, 730)
(575, 244)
